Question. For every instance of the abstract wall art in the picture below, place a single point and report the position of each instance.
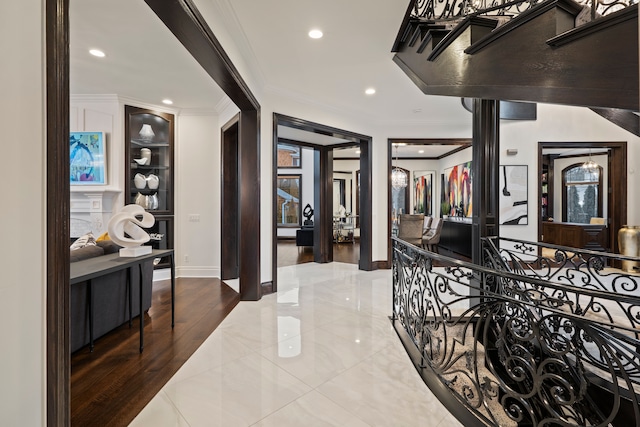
(456, 198)
(513, 195)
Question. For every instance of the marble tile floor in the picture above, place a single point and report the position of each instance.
(320, 352)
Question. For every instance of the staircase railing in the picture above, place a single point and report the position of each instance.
(525, 340)
(438, 10)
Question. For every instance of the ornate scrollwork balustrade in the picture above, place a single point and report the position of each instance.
(439, 10)
(522, 349)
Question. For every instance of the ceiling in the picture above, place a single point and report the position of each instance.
(145, 62)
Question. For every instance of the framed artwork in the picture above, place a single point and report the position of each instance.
(289, 210)
(423, 182)
(289, 156)
(456, 199)
(87, 152)
(514, 195)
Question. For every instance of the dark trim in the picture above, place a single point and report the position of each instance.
(615, 18)
(274, 208)
(381, 265)
(229, 200)
(190, 28)
(464, 144)
(323, 202)
(58, 356)
(365, 205)
(318, 128)
(346, 158)
(522, 19)
(625, 119)
(249, 206)
(616, 199)
(267, 288)
(364, 200)
(293, 142)
(470, 22)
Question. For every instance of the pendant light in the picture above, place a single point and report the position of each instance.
(398, 176)
(590, 165)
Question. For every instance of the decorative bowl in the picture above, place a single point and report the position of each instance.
(140, 161)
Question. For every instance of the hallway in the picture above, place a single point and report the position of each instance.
(319, 352)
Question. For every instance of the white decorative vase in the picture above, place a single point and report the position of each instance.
(153, 181)
(145, 153)
(152, 201)
(141, 200)
(140, 181)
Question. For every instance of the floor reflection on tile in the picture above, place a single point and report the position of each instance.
(320, 352)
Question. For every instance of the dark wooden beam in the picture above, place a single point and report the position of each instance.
(323, 202)
(486, 178)
(366, 206)
(249, 178)
(185, 21)
(230, 205)
(58, 207)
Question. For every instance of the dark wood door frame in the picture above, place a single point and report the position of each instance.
(324, 185)
(462, 142)
(190, 28)
(229, 195)
(617, 181)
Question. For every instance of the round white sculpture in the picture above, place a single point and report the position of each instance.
(130, 220)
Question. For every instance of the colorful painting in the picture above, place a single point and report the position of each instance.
(456, 199)
(87, 158)
(423, 192)
(513, 195)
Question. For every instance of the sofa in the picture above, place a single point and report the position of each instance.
(110, 296)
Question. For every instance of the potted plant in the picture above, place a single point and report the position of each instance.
(445, 209)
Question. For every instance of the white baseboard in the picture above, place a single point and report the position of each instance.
(165, 273)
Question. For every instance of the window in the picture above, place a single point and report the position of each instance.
(288, 156)
(582, 193)
(288, 208)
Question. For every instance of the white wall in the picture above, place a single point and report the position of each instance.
(197, 195)
(23, 225)
(563, 124)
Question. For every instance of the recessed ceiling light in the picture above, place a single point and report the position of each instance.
(420, 151)
(315, 34)
(96, 52)
(357, 151)
(370, 91)
(167, 101)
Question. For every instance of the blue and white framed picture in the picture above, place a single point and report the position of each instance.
(87, 152)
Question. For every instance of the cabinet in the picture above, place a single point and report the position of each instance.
(149, 152)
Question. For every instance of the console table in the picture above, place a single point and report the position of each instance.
(89, 269)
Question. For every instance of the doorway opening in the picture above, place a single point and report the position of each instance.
(304, 154)
(609, 211)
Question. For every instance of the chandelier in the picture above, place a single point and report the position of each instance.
(590, 164)
(398, 176)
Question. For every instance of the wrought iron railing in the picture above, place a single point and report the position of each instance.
(438, 10)
(525, 340)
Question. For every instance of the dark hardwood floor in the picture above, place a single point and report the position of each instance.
(110, 386)
(290, 254)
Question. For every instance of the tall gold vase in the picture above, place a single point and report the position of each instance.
(629, 245)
